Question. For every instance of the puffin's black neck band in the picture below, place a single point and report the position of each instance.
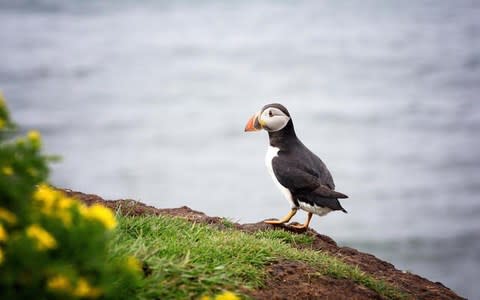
(284, 137)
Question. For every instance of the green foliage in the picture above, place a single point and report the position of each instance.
(189, 260)
(5, 121)
(51, 245)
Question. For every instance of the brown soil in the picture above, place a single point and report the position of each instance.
(295, 280)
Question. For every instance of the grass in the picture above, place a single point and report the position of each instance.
(188, 260)
(286, 237)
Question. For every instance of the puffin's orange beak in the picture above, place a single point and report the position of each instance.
(253, 124)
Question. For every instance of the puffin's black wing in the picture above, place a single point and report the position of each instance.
(300, 179)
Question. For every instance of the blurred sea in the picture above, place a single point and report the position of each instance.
(148, 100)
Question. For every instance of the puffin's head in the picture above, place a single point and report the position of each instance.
(272, 117)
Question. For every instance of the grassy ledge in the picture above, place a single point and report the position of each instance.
(188, 260)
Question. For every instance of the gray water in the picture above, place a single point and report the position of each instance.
(148, 101)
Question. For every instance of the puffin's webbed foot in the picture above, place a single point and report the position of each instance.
(298, 226)
(303, 226)
(284, 219)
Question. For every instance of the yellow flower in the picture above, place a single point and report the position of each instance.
(59, 283)
(33, 135)
(3, 234)
(65, 202)
(8, 171)
(35, 138)
(43, 238)
(100, 213)
(84, 289)
(54, 203)
(134, 264)
(83, 209)
(65, 216)
(45, 194)
(7, 216)
(227, 296)
(63, 211)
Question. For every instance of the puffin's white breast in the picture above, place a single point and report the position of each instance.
(271, 153)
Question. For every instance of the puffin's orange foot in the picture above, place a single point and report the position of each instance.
(274, 222)
(299, 226)
(305, 225)
(284, 220)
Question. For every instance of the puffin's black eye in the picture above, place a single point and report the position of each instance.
(270, 114)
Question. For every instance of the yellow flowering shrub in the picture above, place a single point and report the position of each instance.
(59, 284)
(43, 239)
(85, 290)
(52, 246)
(3, 234)
(226, 295)
(7, 216)
(134, 264)
(100, 214)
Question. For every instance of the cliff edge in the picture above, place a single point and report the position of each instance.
(296, 280)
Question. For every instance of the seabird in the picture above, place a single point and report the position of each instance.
(300, 175)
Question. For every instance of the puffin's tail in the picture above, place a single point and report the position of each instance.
(331, 203)
(341, 207)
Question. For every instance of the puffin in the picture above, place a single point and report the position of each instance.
(299, 174)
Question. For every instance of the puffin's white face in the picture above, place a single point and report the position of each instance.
(272, 119)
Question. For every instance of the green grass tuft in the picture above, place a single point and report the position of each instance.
(189, 260)
(228, 223)
(287, 237)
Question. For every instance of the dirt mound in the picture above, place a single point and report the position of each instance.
(294, 280)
